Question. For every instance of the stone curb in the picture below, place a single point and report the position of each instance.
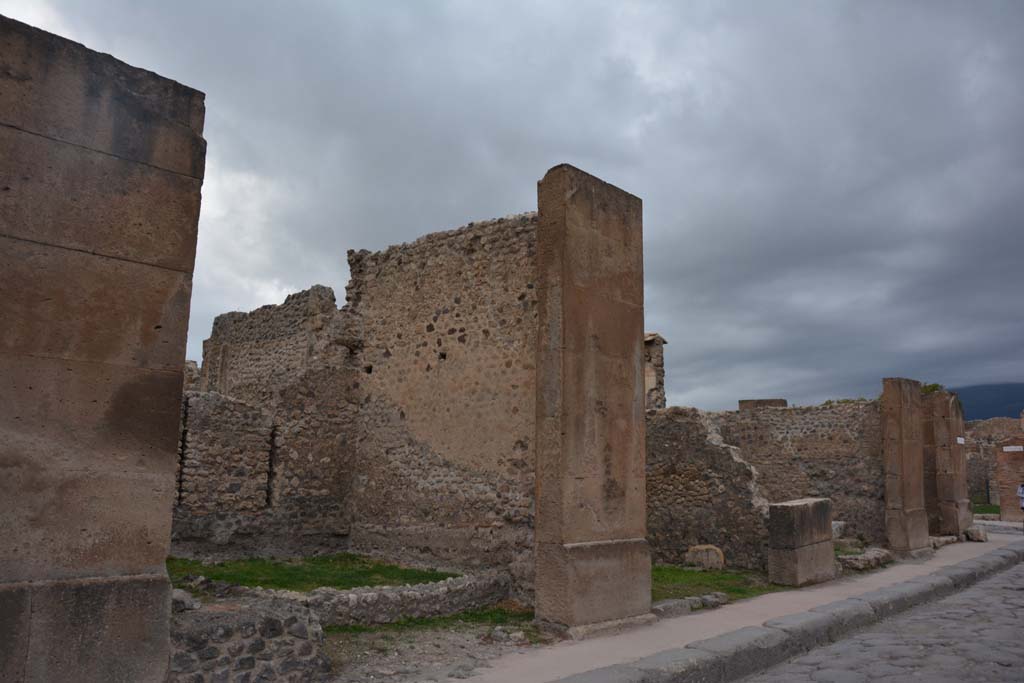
(736, 654)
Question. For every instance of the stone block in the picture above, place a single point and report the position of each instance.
(592, 562)
(588, 583)
(77, 306)
(61, 90)
(122, 209)
(796, 523)
(802, 566)
(848, 615)
(682, 664)
(810, 629)
(705, 556)
(15, 618)
(95, 630)
(749, 649)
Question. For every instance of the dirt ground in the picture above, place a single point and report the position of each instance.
(424, 654)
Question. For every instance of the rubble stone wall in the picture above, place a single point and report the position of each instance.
(982, 437)
(831, 451)
(700, 490)
(447, 330)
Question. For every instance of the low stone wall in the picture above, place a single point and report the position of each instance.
(271, 640)
(389, 604)
(701, 491)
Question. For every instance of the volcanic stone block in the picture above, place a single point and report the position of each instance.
(906, 520)
(800, 542)
(593, 564)
(945, 465)
(796, 523)
(101, 176)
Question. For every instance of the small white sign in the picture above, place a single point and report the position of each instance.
(961, 440)
(1013, 449)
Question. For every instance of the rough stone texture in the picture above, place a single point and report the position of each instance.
(1009, 476)
(225, 455)
(701, 491)
(970, 636)
(101, 172)
(903, 456)
(192, 376)
(982, 437)
(246, 642)
(755, 403)
(388, 604)
(872, 558)
(945, 464)
(654, 370)
(446, 371)
(705, 556)
(592, 559)
(800, 540)
(830, 451)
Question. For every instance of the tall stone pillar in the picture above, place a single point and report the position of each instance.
(593, 564)
(100, 179)
(906, 520)
(945, 465)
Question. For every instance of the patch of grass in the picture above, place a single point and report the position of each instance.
(670, 581)
(986, 509)
(847, 552)
(505, 613)
(333, 571)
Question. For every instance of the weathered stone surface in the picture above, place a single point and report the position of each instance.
(592, 560)
(705, 556)
(97, 240)
(15, 622)
(654, 370)
(232, 641)
(945, 464)
(802, 566)
(872, 558)
(182, 600)
(981, 440)
(62, 90)
(1010, 476)
(749, 649)
(903, 455)
(700, 491)
(832, 450)
(755, 403)
(800, 522)
(976, 534)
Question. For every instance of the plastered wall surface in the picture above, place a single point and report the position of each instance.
(101, 172)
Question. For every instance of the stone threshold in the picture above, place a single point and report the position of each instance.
(733, 655)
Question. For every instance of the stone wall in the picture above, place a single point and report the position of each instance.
(245, 642)
(906, 519)
(982, 437)
(1009, 476)
(700, 490)
(101, 172)
(945, 465)
(831, 451)
(225, 455)
(654, 370)
(447, 326)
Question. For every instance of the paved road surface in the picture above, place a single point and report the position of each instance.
(976, 635)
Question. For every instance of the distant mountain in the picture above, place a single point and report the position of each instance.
(982, 401)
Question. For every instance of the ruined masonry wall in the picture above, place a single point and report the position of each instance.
(225, 455)
(700, 490)
(828, 451)
(252, 356)
(982, 437)
(446, 374)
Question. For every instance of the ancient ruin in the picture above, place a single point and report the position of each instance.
(1010, 477)
(101, 176)
(800, 542)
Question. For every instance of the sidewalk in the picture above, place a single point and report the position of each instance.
(568, 657)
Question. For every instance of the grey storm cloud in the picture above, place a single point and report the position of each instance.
(833, 191)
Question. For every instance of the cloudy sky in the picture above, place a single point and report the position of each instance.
(833, 191)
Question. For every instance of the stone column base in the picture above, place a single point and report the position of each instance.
(584, 584)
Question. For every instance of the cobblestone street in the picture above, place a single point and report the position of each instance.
(975, 635)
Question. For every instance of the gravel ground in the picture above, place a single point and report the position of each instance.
(976, 635)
